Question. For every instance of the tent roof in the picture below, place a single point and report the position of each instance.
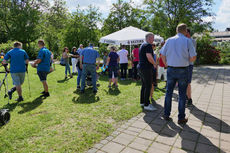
(126, 36)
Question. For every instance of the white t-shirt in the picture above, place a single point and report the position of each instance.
(123, 54)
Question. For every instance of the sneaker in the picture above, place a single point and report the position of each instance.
(189, 102)
(46, 94)
(78, 87)
(43, 92)
(150, 108)
(142, 105)
(10, 94)
(19, 99)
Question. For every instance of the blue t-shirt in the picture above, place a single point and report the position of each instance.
(113, 59)
(17, 58)
(45, 55)
(90, 55)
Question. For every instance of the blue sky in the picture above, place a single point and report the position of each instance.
(221, 8)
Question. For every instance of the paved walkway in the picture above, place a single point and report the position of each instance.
(207, 131)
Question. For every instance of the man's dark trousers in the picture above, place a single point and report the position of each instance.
(146, 79)
(174, 75)
(123, 68)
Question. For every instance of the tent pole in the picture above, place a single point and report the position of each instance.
(130, 50)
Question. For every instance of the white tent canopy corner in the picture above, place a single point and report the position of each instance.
(128, 36)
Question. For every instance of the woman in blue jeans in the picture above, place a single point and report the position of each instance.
(79, 70)
(112, 63)
(65, 56)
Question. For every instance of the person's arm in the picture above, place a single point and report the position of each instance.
(118, 59)
(164, 60)
(150, 59)
(98, 60)
(6, 58)
(81, 61)
(98, 63)
(108, 60)
(193, 59)
(192, 51)
(39, 59)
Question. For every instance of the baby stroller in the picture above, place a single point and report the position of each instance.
(89, 80)
(4, 114)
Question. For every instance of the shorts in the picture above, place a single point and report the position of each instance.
(113, 71)
(162, 71)
(190, 70)
(42, 75)
(18, 78)
(154, 76)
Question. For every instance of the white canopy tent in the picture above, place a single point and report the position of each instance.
(128, 36)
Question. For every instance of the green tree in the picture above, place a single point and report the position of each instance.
(82, 27)
(123, 14)
(167, 14)
(55, 22)
(20, 20)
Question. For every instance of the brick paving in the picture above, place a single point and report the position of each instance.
(207, 131)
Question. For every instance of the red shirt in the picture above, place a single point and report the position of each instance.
(136, 54)
(161, 63)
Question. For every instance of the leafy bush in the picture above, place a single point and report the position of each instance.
(225, 52)
(6, 46)
(206, 53)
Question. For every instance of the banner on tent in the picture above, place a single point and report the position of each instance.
(109, 41)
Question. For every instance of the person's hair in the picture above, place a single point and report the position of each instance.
(90, 44)
(80, 45)
(17, 44)
(123, 46)
(181, 28)
(65, 49)
(148, 35)
(113, 48)
(41, 42)
(136, 46)
(74, 48)
(189, 31)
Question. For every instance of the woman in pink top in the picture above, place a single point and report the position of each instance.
(135, 54)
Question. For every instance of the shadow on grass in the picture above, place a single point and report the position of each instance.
(31, 105)
(113, 91)
(189, 136)
(86, 98)
(10, 106)
(62, 81)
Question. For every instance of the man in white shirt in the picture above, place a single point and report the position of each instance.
(123, 54)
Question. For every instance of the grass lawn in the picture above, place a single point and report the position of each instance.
(66, 121)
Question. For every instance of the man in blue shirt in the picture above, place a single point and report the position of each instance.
(43, 68)
(88, 59)
(177, 53)
(18, 66)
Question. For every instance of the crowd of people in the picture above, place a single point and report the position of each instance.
(176, 56)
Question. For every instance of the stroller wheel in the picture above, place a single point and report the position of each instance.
(4, 116)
